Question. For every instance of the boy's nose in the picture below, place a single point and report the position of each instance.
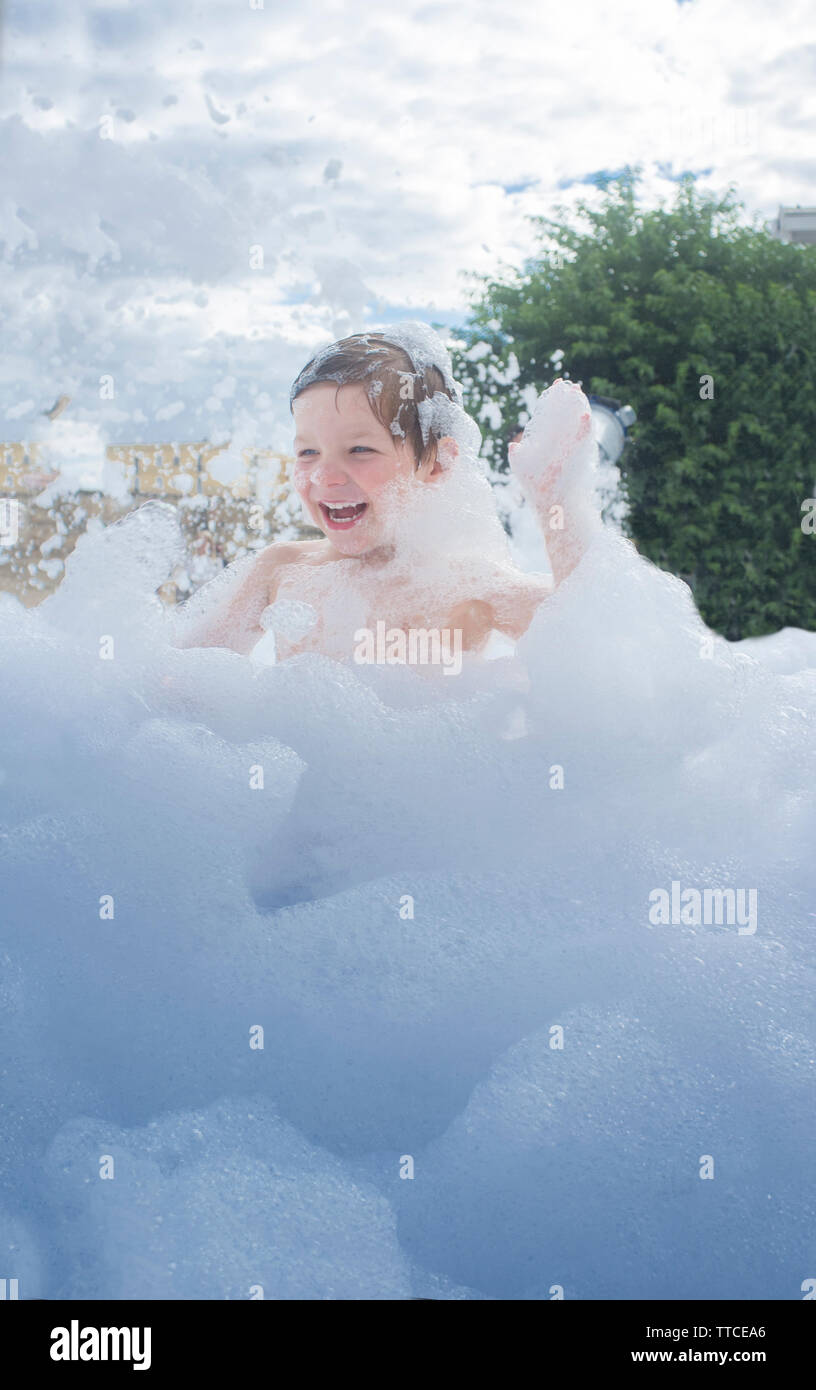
(328, 471)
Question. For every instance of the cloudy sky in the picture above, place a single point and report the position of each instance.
(199, 195)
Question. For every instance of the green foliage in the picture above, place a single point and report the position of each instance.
(644, 304)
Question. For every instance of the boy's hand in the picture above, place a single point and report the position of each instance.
(556, 442)
(554, 462)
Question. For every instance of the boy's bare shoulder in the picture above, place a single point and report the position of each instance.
(291, 553)
(519, 585)
(514, 599)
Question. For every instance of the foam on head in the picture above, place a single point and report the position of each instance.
(422, 345)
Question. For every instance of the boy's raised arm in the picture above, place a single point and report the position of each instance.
(555, 462)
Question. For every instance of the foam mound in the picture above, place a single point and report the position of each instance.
(337, 981)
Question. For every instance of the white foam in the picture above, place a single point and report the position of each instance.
(392, 878)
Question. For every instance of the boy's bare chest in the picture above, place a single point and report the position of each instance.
(345, 603)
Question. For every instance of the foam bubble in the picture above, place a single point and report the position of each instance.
(217, 1204)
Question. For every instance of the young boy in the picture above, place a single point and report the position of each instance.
(372, 465)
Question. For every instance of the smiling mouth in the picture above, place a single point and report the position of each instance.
(341, 516)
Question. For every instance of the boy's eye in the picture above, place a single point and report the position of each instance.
(362, 448)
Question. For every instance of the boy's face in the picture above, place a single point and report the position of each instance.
(344, 461)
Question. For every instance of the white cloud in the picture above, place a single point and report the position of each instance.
(373, 154)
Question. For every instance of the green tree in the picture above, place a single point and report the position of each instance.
(645, 306)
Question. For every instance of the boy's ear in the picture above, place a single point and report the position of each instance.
(443, 455)
(447, 451)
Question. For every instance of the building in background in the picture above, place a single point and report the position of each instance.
(219, 519)
(797, 225)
